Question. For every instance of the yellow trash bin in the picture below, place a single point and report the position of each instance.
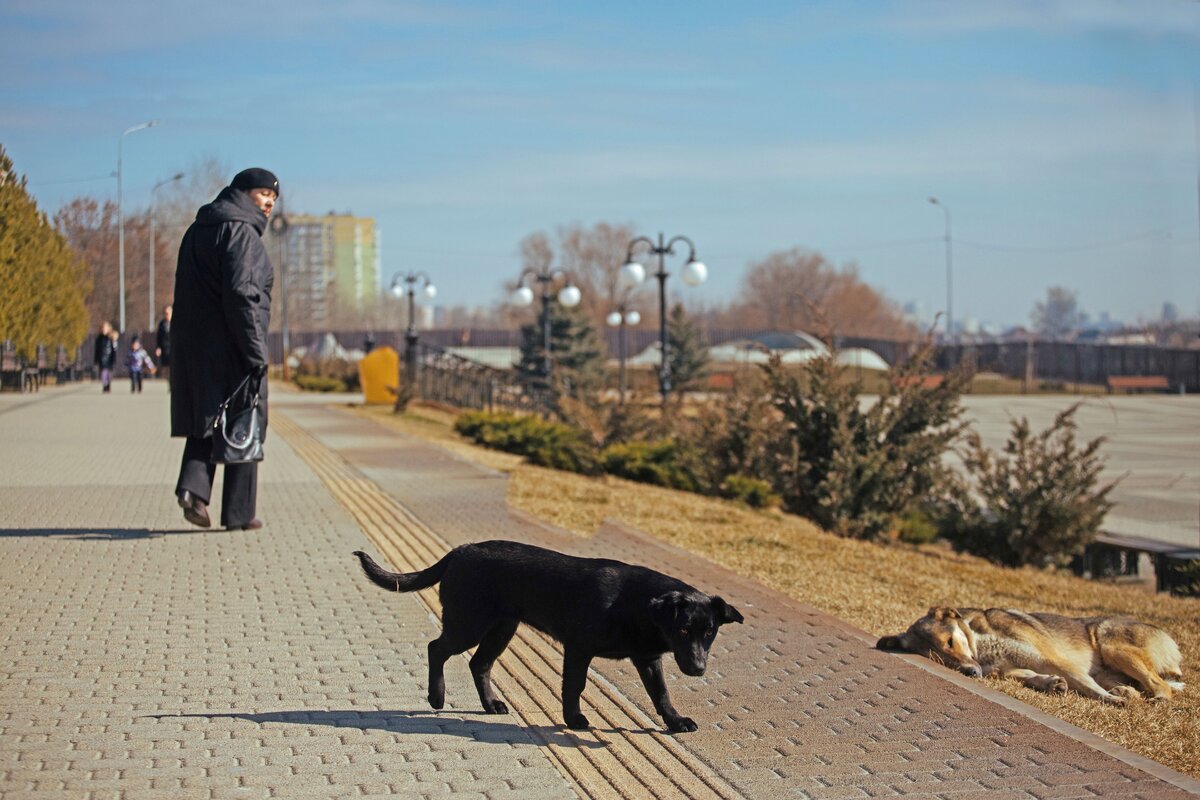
(379, 376)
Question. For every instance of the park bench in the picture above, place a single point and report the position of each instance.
(14, 372)
(1138, 383)
(924, 381)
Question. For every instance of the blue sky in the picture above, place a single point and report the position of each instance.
(1062, 136)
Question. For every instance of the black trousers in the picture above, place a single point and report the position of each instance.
(239, 494)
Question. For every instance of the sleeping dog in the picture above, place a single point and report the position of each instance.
(594, 607)
(1097, 656)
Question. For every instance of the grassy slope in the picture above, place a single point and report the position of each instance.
(880, 588)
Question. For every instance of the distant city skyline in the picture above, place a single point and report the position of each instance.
(1062, 136)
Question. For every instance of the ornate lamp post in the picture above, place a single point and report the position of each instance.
(569, 296)
(120, 214)
(153, 196)
(622, 317)
(399, 284)
(694, 274)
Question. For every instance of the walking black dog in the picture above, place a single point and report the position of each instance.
(594, 607)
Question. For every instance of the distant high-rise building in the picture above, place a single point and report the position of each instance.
(333, 263)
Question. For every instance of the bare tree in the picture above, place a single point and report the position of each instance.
(592, 258)
(800, 289)
(1058, 314)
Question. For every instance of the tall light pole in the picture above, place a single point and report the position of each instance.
(694, 274)
(949, 274)
(153, 194)
(120, 215)
(279, 226)
(399, 282)
(569, 296)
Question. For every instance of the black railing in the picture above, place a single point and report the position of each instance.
(1066, 362)
(444, 377)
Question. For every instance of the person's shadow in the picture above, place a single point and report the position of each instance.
(102, 534)
(481, 727)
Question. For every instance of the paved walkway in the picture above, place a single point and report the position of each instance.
(141, 657)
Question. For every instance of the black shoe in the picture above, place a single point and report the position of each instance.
(195, 510)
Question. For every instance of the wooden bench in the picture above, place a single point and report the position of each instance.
(1138, 383)
(14, 371)
(924, 381)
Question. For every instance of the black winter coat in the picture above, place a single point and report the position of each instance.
(105, 351)
(222, 305)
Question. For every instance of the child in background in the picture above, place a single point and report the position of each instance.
(138, 361)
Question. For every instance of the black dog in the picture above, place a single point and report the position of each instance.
(595, 607)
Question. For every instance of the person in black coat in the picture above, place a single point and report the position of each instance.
(105, 355)
(222, 304)
(162, 344)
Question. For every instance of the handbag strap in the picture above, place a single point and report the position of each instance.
(228, 401)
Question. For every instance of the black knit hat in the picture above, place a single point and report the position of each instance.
(255, 178)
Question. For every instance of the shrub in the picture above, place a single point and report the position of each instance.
(854, 469)
(740, 431)
(753, 492)
(320, 383)
(342, 370)
(915, 527)
(542, 442)
(662, 463)
(1035, 502)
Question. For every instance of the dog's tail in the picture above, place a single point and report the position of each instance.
(403, 581)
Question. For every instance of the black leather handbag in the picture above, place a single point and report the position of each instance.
(237, 435)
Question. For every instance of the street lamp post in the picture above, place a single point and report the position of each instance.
(153, 195)
(120, 214)
(279, 226)
(694, 274)
(409, 280)
(569, 296)
(622, 317)
(949, 274)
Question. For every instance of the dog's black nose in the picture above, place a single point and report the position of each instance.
(971, 671)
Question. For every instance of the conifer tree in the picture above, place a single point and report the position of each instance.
(687, 353)
(44, 289)
(576, 351)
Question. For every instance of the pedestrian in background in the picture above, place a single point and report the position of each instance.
(223, 282)
(105, 355)
(138, 361)
(162, 344)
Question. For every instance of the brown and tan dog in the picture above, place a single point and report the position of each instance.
(1097, 656)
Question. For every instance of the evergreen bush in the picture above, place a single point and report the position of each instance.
(854, 467)
(1038, 501)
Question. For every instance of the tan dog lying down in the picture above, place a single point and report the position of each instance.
(1098, 656)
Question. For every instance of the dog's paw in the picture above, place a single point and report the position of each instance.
(1128, 692)
(1056, 684)
(1116, 698)
(496, 707)
(681, 725)
(437, 701)
(579, 723)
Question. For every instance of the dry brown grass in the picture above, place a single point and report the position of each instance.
(878, 587)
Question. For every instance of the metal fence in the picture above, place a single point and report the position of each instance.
(447, 378)
(1068, 362)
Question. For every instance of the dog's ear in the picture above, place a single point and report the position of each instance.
(665, 607)
(890, 643)
(724, 612)
(940, 613)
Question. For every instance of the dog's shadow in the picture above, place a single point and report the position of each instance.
(479, 726)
